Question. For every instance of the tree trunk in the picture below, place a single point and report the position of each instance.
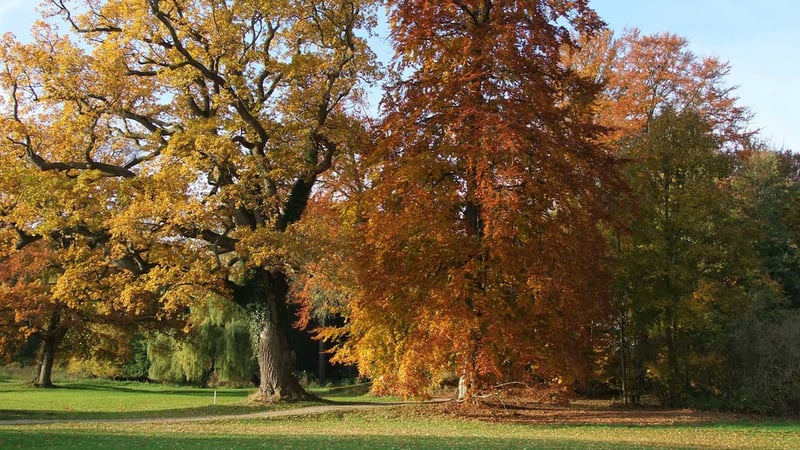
(53, 336)
(623, 360)
(468, 382)
(44, 377)
(674, 387)
(276, 368)
(322, 362)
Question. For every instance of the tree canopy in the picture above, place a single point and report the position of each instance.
(538, 201)
(185, 138)
(481, 252)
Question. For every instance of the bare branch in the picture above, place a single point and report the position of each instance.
(68, 17)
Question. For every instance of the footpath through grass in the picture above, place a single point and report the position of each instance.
(389, 427)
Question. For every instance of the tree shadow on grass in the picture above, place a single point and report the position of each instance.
(74, 439)
(177, 413)
(154, 389)
(355, 395)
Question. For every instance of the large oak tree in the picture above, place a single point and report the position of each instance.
(197, 129)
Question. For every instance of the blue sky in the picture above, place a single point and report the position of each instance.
(760, 39)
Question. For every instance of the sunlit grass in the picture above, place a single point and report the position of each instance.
(101, 399)
(374, 428)
(109, 400)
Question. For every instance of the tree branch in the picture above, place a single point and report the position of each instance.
(24, 238)
(225, 243)
(68, 16)
(107, 169)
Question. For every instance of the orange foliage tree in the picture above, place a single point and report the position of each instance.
(643, 74)
(481, 254)
(66, 299)
(26, 311)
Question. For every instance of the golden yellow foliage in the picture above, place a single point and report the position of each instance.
(179, 141)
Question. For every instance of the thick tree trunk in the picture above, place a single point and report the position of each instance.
(276, 367)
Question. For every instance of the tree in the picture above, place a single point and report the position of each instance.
(27, 309)
(681, 270)
(767, 193)
(651, 80)
(199, 129)
(62, 290)
(55, 297)
(216, 347)
(481, 254)
(643, 74)
(762, 365)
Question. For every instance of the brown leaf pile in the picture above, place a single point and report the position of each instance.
(551, 409)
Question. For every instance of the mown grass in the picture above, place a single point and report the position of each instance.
(390, 427)
(100, 399)
(393, 428)
(103, 399)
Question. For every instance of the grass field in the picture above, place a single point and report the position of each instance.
(415, 426)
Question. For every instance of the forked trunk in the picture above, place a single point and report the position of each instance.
(44, 377)
(55, 333)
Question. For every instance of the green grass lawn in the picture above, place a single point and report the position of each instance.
(99, 399)
(102, 399)
(390, 427)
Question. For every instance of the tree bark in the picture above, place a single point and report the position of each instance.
(322, 362)
(51, 339)
(623, 360)
(44, 378)
(273, 323)
(468, 382)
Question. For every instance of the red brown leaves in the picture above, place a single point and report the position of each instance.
(482, 255)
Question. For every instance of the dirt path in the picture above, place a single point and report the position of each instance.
(303, 411)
